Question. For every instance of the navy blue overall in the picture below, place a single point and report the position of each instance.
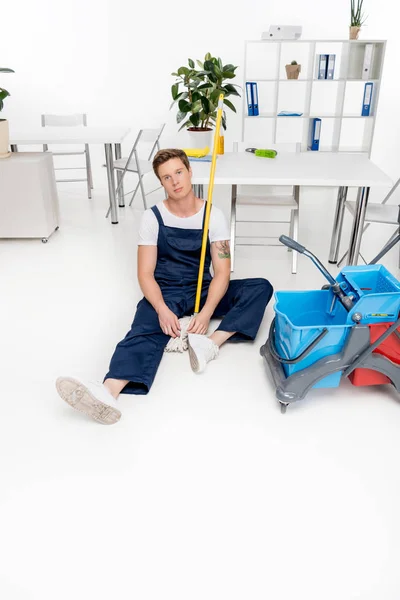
(138, 355)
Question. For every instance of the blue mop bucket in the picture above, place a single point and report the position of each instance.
(310, 319)
(376, 291)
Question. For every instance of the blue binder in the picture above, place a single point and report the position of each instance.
(322, 60)
(367, 100)
(330, 66)
(254, 92)
(249, 95)
(314, 134)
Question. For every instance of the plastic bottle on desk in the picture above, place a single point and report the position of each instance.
(221, 143)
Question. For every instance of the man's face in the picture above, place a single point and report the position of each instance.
(175, 178)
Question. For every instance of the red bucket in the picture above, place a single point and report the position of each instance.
(389, 348)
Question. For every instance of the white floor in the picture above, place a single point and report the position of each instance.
(203, 490)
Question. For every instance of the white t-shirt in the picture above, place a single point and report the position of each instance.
(148, 230)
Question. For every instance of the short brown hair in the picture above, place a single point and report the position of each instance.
(164, 156)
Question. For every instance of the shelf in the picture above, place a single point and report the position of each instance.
(276, 41)
(314, 79)
(307, 116)
(352, 150)
(338, 105)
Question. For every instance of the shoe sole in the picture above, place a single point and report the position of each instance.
(194, 363)
(79, 397)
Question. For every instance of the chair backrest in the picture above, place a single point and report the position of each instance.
(279, 147)
(148, 137)
(64, 120)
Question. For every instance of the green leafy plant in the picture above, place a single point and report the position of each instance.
(294, 62)
(198, 101)
(357, 16)
(3, 92)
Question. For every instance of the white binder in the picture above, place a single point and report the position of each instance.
(368, 61)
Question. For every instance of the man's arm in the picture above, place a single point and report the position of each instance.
(221, 261)
(147, 260)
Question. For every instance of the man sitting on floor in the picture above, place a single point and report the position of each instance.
(170, 239)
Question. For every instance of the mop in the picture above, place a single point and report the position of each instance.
(180, 344)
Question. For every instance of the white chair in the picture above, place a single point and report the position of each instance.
(147, 139)
(267, 197)
(70, 121)
(383, 213)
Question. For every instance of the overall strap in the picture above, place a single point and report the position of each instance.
(157, 215)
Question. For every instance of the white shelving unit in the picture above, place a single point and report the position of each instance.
(337, 101)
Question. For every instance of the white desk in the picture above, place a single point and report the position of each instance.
(301, 169)
(80, 135)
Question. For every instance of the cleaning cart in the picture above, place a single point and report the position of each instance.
(349, 328)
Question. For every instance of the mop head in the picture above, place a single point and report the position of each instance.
(196, 152)
(179, 344)
(266, 153)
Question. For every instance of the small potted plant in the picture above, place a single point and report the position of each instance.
(357, 18)
(293, 70)
(198, 100)
(4, 135)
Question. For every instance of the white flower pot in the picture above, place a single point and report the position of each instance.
(201, 139)
(4, 139)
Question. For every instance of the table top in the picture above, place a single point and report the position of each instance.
(69, 135)
(327, 169)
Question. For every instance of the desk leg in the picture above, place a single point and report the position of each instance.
(111, 183)
(358, 225)
(14, 147)
(198, 190)
(120, 183)
(337, 225)
(233, 225)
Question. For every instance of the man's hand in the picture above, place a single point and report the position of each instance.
(169, 322)
(199, 324)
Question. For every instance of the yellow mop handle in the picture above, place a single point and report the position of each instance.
(208, 205)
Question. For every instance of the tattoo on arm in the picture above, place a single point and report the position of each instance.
(223, 249)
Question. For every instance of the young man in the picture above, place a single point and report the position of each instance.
(170, 240)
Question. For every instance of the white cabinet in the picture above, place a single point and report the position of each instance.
(336, 101)
(28, 196)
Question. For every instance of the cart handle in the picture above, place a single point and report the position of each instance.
(292, 361)
(290, 243)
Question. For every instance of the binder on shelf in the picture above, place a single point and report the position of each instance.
(254, 95)
(321, 63)
(249, 95)
(314, 133)
(330, 66)
(366, 106)
(368, 61)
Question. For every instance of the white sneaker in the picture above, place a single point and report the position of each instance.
(201, 351)
(89, 397)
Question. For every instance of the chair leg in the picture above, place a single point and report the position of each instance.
(143, 193)
(89, 189)
(295, 237)
(89, 166)
(134, 193)
(291, 227)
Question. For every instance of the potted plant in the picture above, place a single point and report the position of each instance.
(4, 135)
(357, 18)
(198, 100)
(293, 70)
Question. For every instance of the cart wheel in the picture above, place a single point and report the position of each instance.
(44, 240)
(57, 228)
(283, 407)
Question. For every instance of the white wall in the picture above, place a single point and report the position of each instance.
(113, 58)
